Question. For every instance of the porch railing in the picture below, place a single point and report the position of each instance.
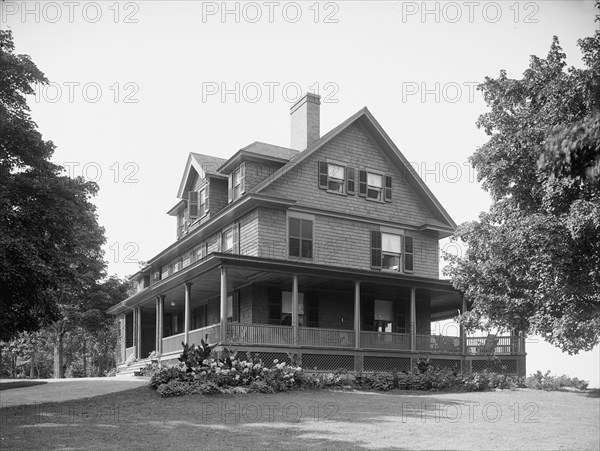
(494, 345)
(172, 343)
(381, 340)
(335, 338)
(238, 333)
(210, 334)
(440, 344)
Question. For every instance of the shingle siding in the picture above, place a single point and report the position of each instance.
(354, 147)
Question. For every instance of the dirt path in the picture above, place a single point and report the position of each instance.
(58, 390)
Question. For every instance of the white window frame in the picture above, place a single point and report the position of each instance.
(341, 181)
(223, 240)
(370, 187)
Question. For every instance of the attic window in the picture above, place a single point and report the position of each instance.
(237, 183)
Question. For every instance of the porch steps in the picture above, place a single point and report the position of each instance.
(133, 369)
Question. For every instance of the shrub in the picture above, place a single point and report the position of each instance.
(175, 388)
(167, 374)
(541, 381)
(150, 369)
(260, 387)
(195, 356)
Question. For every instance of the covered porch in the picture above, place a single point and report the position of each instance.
(339, 317)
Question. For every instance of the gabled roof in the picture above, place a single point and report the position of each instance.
(259, 151)
(370, 124)
(204, 165)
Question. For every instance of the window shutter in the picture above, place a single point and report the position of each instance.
(362, 183)
(243, 178)
(388, 189)
(408, 253)
(230, 188)
(375, 249)
(206, 205)
(351, 182)
(193, 204)
(323, 175)
(236, 239)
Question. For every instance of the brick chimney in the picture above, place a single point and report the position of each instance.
(306, 121)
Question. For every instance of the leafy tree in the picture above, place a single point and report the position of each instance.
(50, 240)
(533, 260)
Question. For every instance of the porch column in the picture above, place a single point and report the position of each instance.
(157, 326)
(223, 331)
(413, 319)
(295, 309)
(187, 312)
(138, 332)
(357, 315)
(161, 326)
(463, 335)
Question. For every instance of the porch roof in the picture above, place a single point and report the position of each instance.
(247, 269)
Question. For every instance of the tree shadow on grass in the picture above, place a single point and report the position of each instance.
(19, 384)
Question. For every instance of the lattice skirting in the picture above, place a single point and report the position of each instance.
(453, 365)
(388, 364)
(327, 362)
(502, 366)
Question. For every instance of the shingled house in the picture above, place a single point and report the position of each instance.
(327, 250)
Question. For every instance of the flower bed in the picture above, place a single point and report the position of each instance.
(201, 372)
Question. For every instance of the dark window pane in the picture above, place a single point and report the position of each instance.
(294, 227)
(306, 249)
(306, 229)
(294, 247)
(391, 262)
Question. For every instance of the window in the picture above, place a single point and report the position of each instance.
(182, 223)
(386, 251)
(203, 203)
(336, 178)
(374, 186)
(300, 233)
(286, 308)
(390, 251)
(230, 239)
(227, 241)
(237, 183)
(200, 252)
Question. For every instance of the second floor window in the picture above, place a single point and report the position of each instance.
(387, 251)
(227, 238)
(390, 251)
(300, 233)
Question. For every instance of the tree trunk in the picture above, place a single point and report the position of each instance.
(58, 358)
(84, 359)
(32, 369)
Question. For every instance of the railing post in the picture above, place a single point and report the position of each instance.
(295, 310)
(356, 315)
(187, 312)
(413, 319)
(223, 331)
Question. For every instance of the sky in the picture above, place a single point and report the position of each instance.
(135, 86)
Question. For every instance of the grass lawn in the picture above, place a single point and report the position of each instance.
(139, 419)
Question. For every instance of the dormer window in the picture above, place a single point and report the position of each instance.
(197, 204)
(237, 183)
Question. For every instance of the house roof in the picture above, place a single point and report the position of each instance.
(204, 165)
(261, 151)
(370, 124)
